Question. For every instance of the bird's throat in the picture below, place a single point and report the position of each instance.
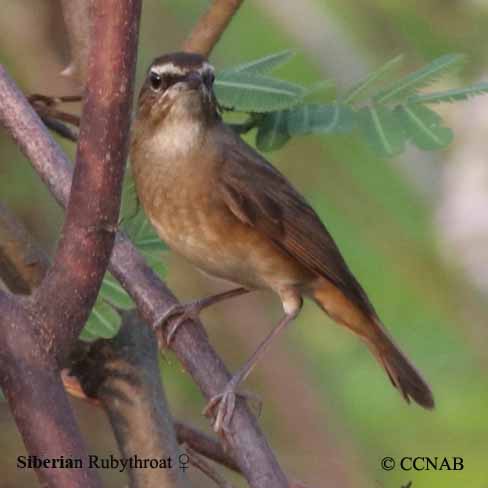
(177, 138)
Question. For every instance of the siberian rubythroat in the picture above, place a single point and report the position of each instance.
(216, 201)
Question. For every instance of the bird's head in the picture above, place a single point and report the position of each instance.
(178, 86)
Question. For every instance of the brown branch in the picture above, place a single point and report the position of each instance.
(88, 233)
(30, 331)
(23, 264)
(247, 443)
(55, 114)
(45, 106)
(59, 128)
(205, 445)
(195, 439)
(210, 26)
(56, 120)
(123, 375)
(29, 376)
(30, 380)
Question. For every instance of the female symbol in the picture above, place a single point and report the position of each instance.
(184, 460)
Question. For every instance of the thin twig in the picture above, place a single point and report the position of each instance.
(53, 113)
(208, 470)
(55, 119)
(210, 26)
(205, 445)
(59, 128)
(56, 100)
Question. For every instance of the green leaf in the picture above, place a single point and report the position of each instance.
(138, 226)
(319, 86)
(421, 78)
(272, 131)
(156, 264)
(263, 65)
(151, 244)
(104, 322)
(382, 130)
(247, 92)
(320, 119)
(144, 237)
(142, 233)
(130, 204)
(87, 336)
(455, 95)
(112, 292)
(360, 88)
(424, 127)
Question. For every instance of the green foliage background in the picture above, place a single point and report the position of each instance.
(328, 409)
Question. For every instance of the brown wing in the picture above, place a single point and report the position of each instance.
(259, 195)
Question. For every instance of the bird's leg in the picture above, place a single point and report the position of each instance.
(225, 401)
(192, 310)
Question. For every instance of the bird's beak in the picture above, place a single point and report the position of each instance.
(194, 80)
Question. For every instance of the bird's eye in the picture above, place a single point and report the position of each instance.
(156, 81)
(209, 78)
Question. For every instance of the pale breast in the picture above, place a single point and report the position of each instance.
(180, 199)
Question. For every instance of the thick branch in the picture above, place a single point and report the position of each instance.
(211, 26)
(29, 371)
(193, 438)
(248, 445)
(107, 369)
(23, 264)
(92, 212)
(30, 380)
(123, 374)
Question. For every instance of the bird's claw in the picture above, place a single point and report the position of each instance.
(182, 312)
(224, 404)
(222, 407)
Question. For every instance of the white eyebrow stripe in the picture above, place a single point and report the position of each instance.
(173, 69)
(167, 68)
(206, 67)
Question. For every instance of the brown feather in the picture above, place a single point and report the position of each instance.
(398, 367)
(259, 195)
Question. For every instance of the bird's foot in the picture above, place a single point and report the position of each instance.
(192, 311)
(221, 407)
(178, 314)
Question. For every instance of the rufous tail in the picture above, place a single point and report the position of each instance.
(403, 375)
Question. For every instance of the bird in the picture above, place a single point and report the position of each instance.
(213, 199)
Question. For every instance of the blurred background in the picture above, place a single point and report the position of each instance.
(414, 231)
